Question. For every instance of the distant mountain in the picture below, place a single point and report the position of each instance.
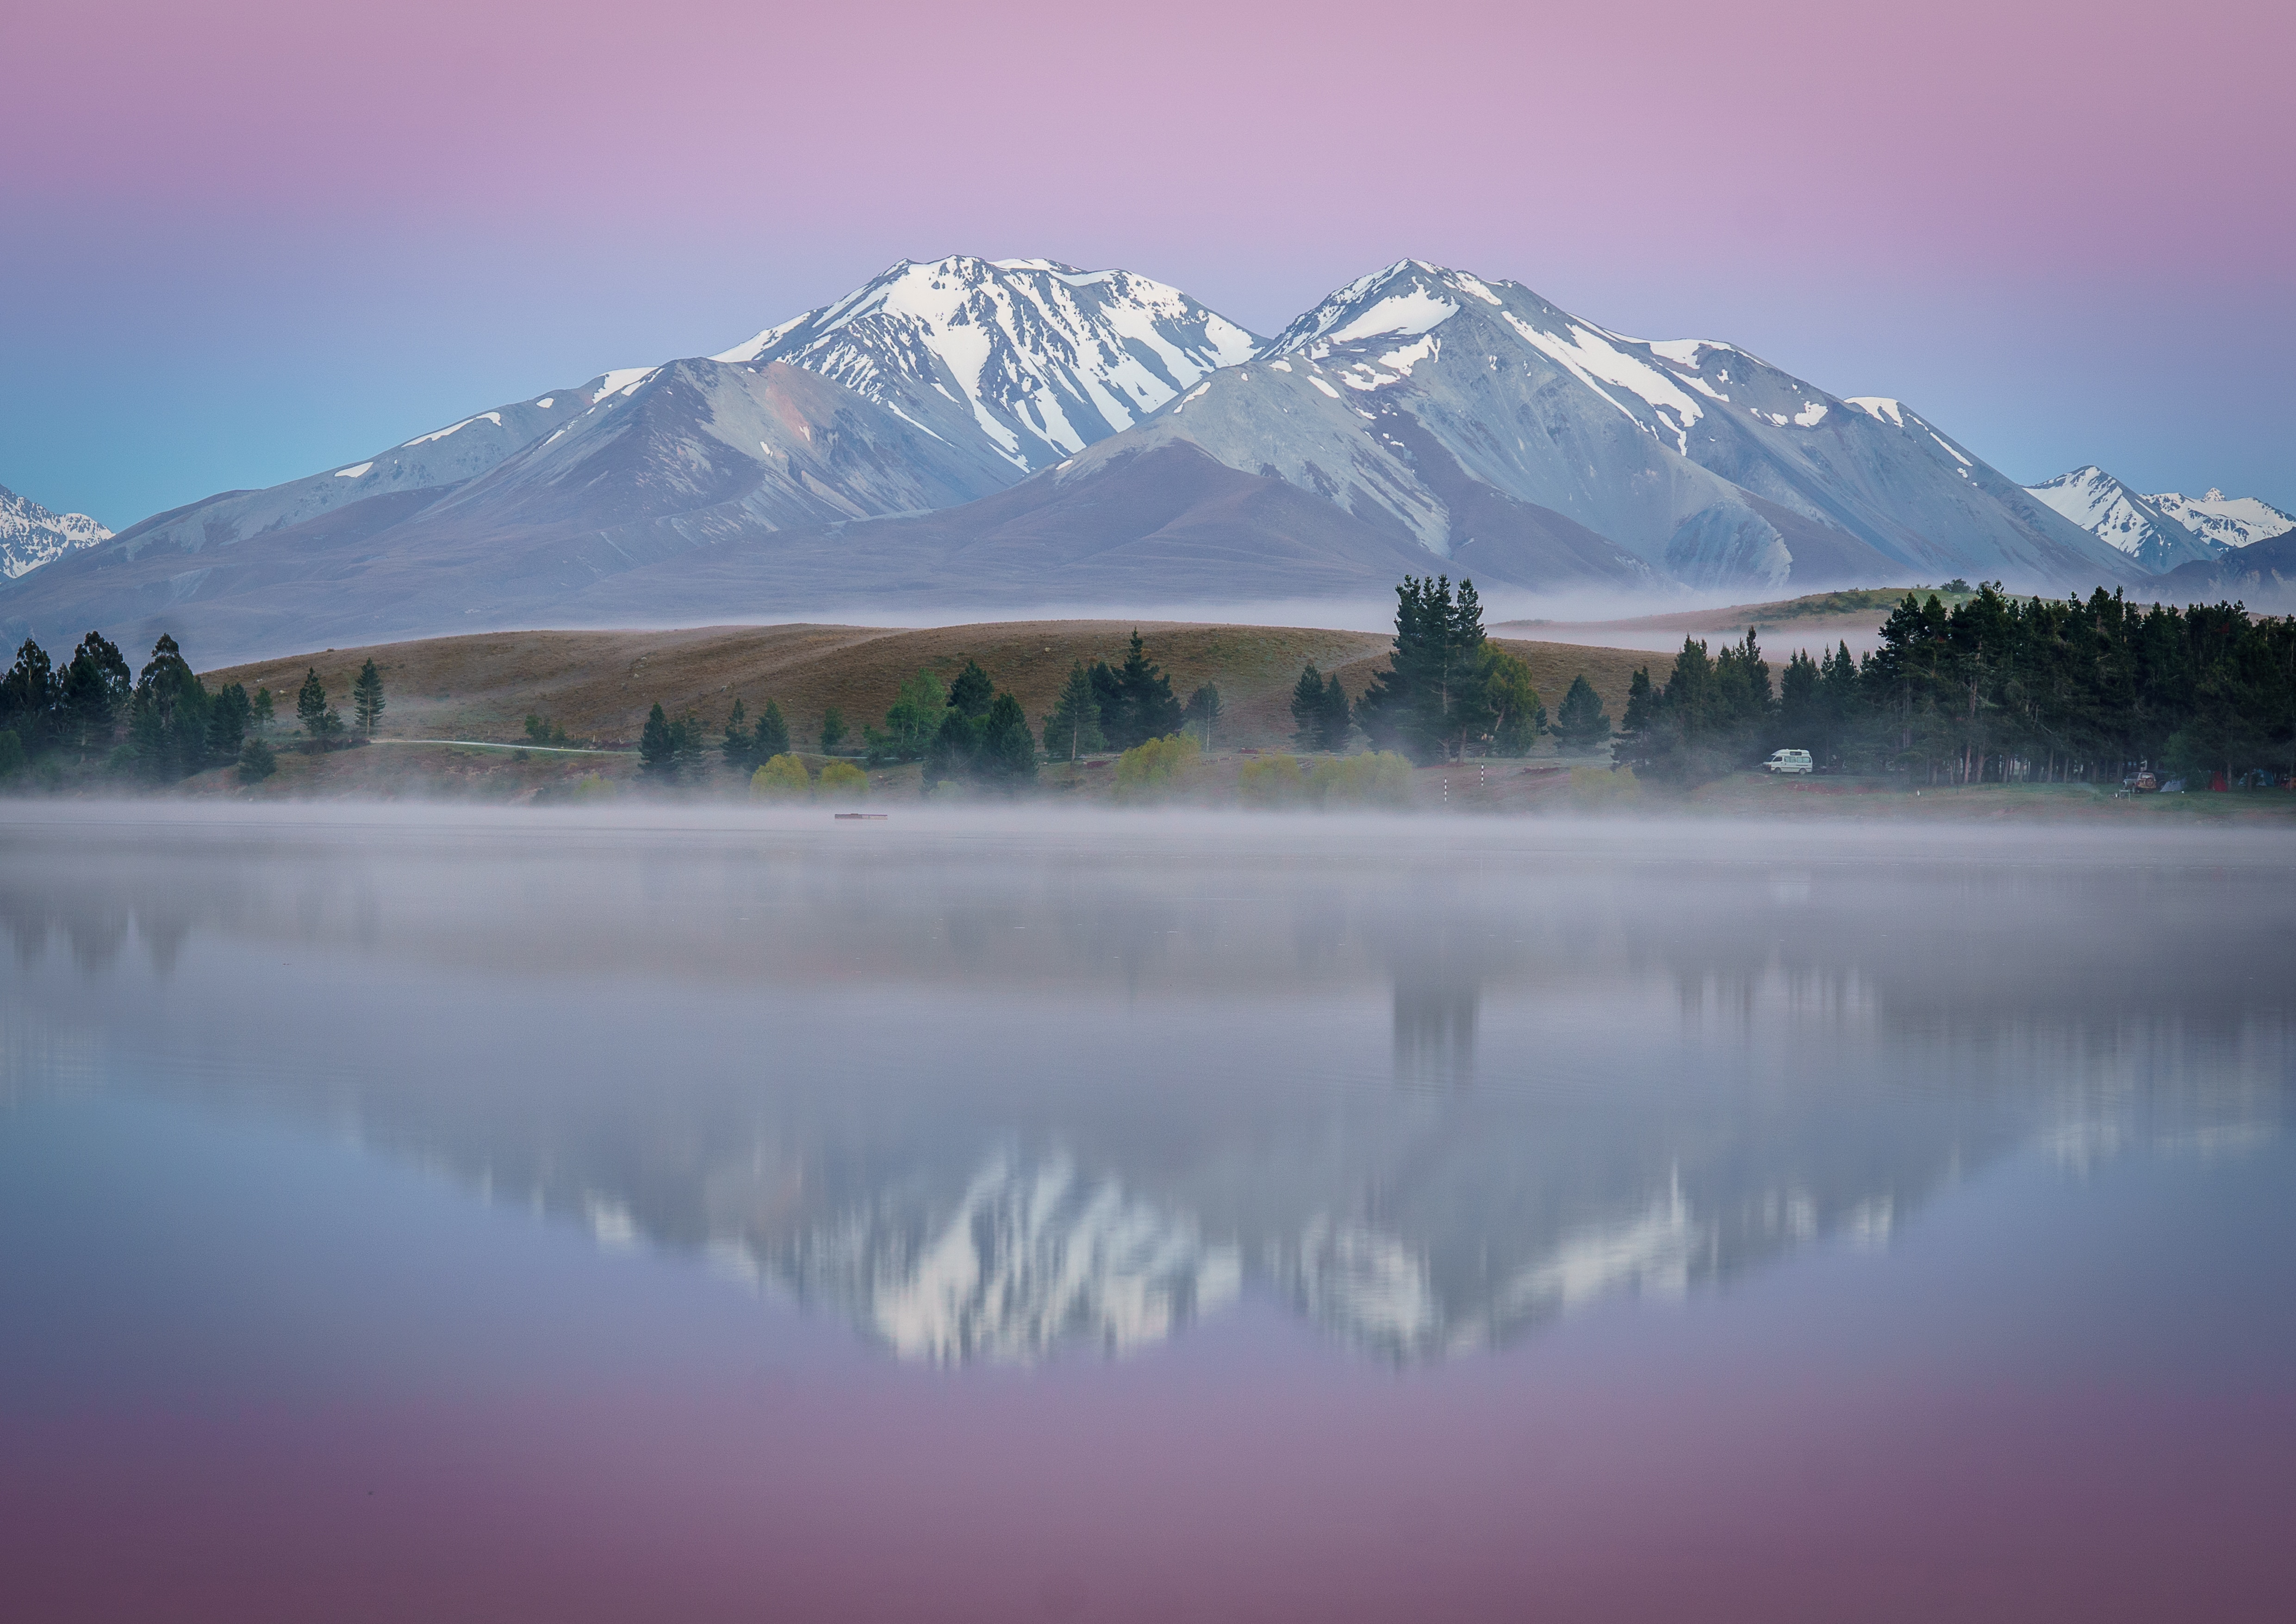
(2262, 575)
(31, 535)
(1502, 433)
(2122, 519)
(2233, 521)
(1016, 432)
(1039, 357)
(2184, 540)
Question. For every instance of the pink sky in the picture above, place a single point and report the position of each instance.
(346, 221)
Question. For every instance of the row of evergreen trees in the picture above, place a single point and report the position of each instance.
(1995, 688)
(162, 723)
(1120, 708)
(1448, 693)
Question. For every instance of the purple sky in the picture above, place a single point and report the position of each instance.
(245, 241)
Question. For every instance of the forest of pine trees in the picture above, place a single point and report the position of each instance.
(1994, 689)
(160, 725)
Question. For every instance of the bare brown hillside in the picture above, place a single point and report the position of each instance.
(599, 684)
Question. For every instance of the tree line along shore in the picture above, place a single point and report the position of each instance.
(1989, 690)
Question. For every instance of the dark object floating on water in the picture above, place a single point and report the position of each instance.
(875, 817)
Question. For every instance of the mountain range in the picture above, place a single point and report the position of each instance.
(2163, 532)
(1001, 434)
(31, 535)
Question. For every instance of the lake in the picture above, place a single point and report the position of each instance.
(494, 1216)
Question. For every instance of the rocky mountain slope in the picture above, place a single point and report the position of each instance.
(2121, 517)
(2232, 522)
(1498, 432)
(1019, 433)
(31, 535)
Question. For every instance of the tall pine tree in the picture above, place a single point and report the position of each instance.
(1308, 728)
(1582, 725)
(658, 745)
(1430, 700)
(367, 698)
(1073, 727)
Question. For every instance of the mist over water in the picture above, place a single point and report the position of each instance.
(993, 1214)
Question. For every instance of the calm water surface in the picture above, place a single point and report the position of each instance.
(495, 1218)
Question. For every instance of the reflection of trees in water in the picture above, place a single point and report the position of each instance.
(1828, 1054)
(1435, 1029)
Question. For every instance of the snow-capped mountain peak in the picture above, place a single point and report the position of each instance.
(31, 535)
(2229, 522)
(1044, 358)
(2124, 520)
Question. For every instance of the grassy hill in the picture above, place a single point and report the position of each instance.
(599, 684)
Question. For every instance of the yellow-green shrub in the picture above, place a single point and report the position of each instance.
(782, 778)
(1156, 768)
(1381, 778)
(843, 780)
(1271, 780)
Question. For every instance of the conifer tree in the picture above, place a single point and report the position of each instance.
(1008, 752)
(318, 723)
(689, 745)
(1108, 693)
(29, 697)
(1147, 708)
(1430, 697)
(739, 746)
(658, 745)
(773, 735)
(954, 750)
(227, 719)
(1073, 727)
(367, 698)
(1335, 719)
(168, 714)
(971, 694)
(264, 708)
(1307, 709)
(96, 690)
(1582, 725)
(833, 730)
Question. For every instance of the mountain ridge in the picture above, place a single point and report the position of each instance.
(31, 535)
(1020, 431)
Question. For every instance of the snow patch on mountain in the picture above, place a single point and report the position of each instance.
(1881, 406)
(622, 381)
(1592, 357)
(31, 535)
(437, 434)
(1044, 358)
(2230, 521)
(2124, 520)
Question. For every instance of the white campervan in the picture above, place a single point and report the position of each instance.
(1789, 761)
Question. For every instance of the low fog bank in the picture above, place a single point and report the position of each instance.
(1097, 832)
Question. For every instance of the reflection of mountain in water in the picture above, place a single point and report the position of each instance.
(991, 1106)
(1029, 1256)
